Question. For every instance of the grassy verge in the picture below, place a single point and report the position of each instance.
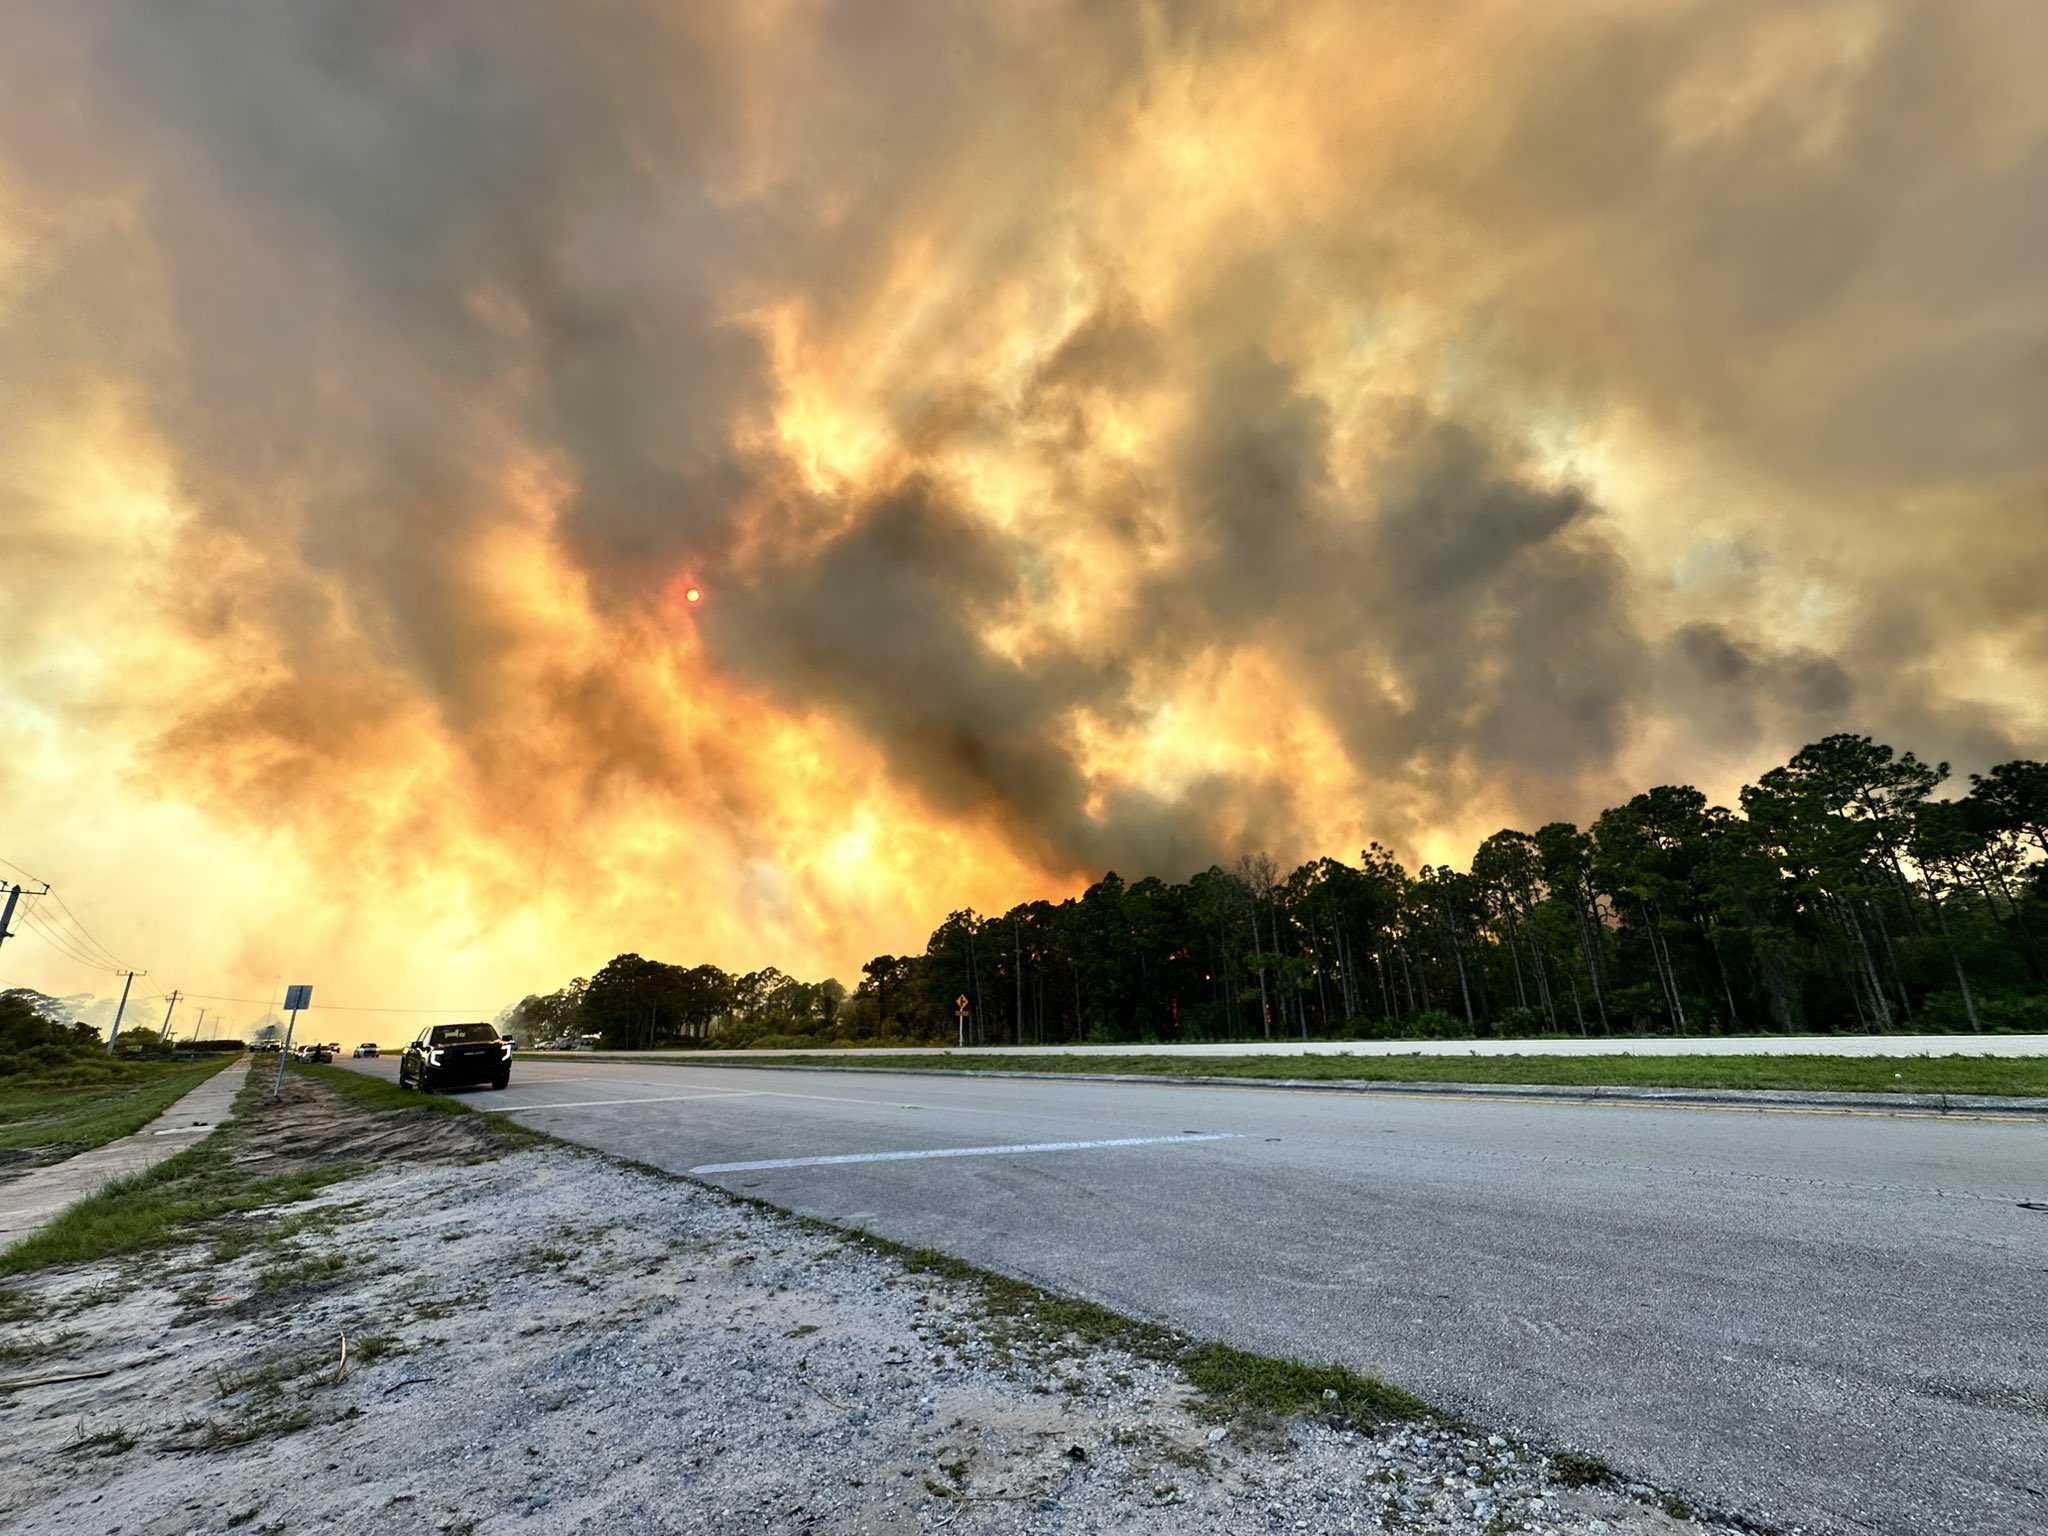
(205, 1184)
(2025, 1076)
(165, 1204)
(375, 1093)
(40, 1114)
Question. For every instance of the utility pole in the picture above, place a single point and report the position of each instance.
(170, 1003)
(121, 1008)
(14, 895)
(195, 1028)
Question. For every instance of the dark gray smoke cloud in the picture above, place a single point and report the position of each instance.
(352, 265)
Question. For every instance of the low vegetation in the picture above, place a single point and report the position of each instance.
(37, 1046)
(1237, 1381)
(172, 1202)
(2021, 1076)
(1024, 1321)
(375, 1093)
(53, 1112)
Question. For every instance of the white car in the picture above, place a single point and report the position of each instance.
(365, 1052)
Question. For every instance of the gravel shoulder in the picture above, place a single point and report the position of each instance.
(543, 1340)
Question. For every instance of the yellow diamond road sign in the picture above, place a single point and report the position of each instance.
(960, 1002)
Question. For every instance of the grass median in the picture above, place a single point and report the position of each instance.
(54, 1115)
(2022, 1076)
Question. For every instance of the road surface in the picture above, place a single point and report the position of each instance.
(1836, 1320)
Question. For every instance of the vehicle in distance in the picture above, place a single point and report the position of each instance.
(366, 1052)
(449, 1055)
(319, 1053)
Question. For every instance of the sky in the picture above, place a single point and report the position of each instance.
(1098, 437)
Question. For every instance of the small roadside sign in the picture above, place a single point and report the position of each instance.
(960, 1002)
(295, 998)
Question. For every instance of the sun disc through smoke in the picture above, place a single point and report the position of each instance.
(691, 595)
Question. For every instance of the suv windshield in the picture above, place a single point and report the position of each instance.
(463, 1034)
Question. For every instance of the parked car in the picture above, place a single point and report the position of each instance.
(366, 1052)
(318, 1053)
(449, 1055)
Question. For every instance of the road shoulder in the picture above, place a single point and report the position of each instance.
(466, 1335)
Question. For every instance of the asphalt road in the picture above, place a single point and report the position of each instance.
(1833, 1320)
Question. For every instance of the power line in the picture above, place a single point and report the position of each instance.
(94, 943)
(211, 997)
(108, 960)
(55, 937)
(46, 929)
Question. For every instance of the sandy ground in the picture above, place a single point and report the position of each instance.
(542, 1341)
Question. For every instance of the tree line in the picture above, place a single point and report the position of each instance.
(1839, 894)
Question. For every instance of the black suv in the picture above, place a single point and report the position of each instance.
(446, 1055)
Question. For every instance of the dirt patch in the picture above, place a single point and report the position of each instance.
(542, 1341)
(311, 1126)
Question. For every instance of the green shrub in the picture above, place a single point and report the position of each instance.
(2004, 1012)
(1434, 1024)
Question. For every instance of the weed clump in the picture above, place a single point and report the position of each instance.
(1575, 1471)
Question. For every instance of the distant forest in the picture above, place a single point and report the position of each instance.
(1840, 896)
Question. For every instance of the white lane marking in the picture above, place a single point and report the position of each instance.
(906, 1157)
(701, 1090)
(677, 1098)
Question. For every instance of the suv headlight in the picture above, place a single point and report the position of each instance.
(433, 1057)
(506, 1047)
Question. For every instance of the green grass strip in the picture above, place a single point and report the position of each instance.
(1233, 1382)
(2019, 1076)
(372, 1092)
(165, 1204)
(79, 1116)
(1238, 1382)
(376, 1094)
(156, 1208)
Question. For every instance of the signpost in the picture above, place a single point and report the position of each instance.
(295, 998)
(960, 1010)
